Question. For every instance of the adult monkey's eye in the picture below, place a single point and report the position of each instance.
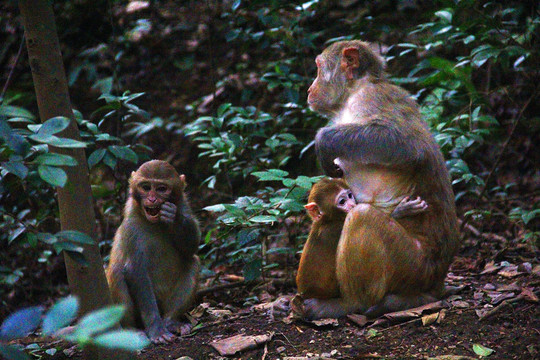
(161, 188)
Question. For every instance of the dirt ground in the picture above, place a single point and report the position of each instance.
(497, 308)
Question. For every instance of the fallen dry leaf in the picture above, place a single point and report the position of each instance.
(232, 345)
(536, 270)
(442, 315)
(509, 287)
(460, 304)
(510, 271)
(325, 322)
(358, 319)
(415, 312)
(430, 319)
(500, 297)
(529, 295)
(490, 268)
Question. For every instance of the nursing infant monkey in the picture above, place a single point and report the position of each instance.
(378, 143)
(153, 268)
(329, 202)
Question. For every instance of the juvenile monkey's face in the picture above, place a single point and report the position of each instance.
(345, 200)
(153, 194)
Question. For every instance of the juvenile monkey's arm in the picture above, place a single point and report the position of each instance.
(375, 143)
(185, 228)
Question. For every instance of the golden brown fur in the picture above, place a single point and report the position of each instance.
(153, 268)
(383, 149)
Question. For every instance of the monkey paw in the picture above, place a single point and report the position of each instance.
(178, 327)
(159, 334)
(297, 307)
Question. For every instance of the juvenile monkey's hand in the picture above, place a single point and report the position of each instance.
(168, 213)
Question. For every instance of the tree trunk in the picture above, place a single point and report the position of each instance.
(75, 199)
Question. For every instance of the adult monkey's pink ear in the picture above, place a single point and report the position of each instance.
(313, 210)
(350, 61)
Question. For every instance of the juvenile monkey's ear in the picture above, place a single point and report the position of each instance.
(350, 61)
(313, 210)
(183, 181)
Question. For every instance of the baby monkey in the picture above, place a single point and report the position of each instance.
(329, 202)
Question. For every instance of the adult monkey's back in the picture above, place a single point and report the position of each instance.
(379, 144)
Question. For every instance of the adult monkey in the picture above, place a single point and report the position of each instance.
(379, 144)
(153, 269)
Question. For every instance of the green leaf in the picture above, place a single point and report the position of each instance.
(16, 167)
(11, 352)
(14, 111)
(56, 160)
(60, 246)
(60, 315)
(54, 125)
(21, 323)
(215, 208)
(75, 236)
(47, 238)
(263, 219)
(252, 270)
(53, 175)
(124, 153)
(56, 141)
(271, 175)
(445, 15)
(14, 141)
(99, 321)
(223, 108)
(78, 258)
(234, 210)
(123, 339)
(482, 350)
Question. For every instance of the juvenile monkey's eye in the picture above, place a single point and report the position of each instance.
(350, 195)
(341, 201)
(146, 187)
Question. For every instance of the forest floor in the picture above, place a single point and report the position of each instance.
(496, 309)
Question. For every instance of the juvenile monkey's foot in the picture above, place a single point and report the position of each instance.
(159, 334)
(297, 307)
(178, 327)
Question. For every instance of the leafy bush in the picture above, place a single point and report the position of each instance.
(28, 210)
(487, 44)
(98, 328)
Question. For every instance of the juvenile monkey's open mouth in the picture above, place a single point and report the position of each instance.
(152, 211)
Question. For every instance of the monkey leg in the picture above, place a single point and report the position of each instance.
(120, 295)
(393, 303)
(181, 297)
(139, 284)
(375, 257)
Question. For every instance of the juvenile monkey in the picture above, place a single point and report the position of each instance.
(379, 144)
(329, 202)
(153, 268)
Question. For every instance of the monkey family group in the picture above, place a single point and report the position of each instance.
(384, 228)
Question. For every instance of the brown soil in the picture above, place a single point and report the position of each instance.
(513, 332)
